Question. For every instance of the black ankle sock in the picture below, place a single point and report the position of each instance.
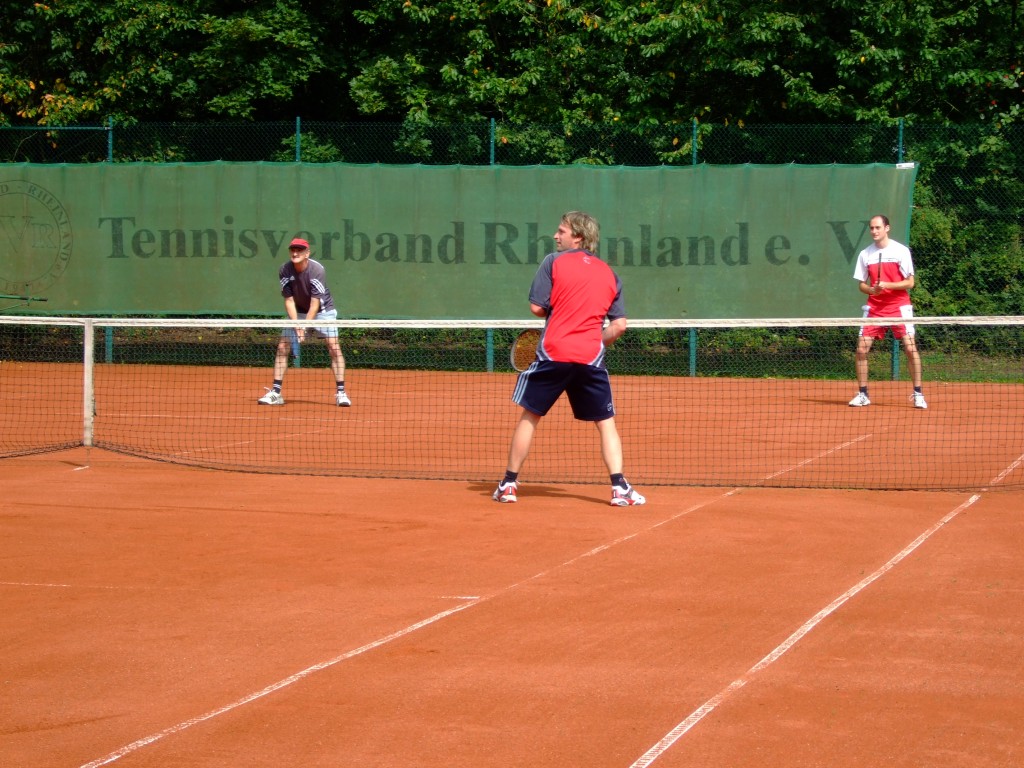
(510, 477)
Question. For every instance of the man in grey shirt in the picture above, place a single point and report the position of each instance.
(305, 292)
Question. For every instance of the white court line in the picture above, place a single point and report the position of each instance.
(238, 443)
(1006, 472)
(821, 455)
(129, 748)
(174, 729)
(41, 584)
(708, 706)
(58, 585)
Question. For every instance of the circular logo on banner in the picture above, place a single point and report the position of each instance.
(35, 238)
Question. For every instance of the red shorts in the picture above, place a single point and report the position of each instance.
(898, 331)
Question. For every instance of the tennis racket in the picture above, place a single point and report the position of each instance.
(524, 349)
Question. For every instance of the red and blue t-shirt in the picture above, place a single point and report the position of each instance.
(579, 291)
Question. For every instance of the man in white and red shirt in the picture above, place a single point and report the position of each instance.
(885, 272)
(576, 292)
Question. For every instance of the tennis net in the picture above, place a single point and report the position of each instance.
(722, 403)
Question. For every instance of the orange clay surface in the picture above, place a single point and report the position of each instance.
(158, 615)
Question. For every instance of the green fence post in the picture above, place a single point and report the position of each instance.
(895, 359)
(693, 351)
(108, 344)
(490, 350)
(492, 138)
(693, 143)
(110, 139)
(899, 143)
(298, 139)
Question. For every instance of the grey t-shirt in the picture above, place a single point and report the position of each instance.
(303, 286)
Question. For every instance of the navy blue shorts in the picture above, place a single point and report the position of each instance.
(588, 388)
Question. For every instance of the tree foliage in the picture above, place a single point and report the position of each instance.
(79, 61)
(553, 70)
(529, 61)
(762, 61)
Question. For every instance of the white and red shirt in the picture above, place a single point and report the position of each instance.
(890, 264)
(579, 291)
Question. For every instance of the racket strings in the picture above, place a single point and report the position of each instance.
(524, 349)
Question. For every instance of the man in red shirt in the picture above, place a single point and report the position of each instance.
(575, 291)
(885, 272)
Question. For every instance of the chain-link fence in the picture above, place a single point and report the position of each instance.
(493, 142)
(969, 199)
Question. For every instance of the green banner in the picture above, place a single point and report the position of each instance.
(439, 242)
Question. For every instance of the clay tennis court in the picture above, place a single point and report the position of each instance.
(161, 615)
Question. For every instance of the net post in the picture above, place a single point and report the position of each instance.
(88, 394)
(490, 350)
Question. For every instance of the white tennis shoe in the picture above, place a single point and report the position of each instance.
(626, 498)
(506, 493)
(860, 401)
(919, 401)
(342, 399)
(271, 398)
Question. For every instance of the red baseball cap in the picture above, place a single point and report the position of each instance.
(298, 242)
